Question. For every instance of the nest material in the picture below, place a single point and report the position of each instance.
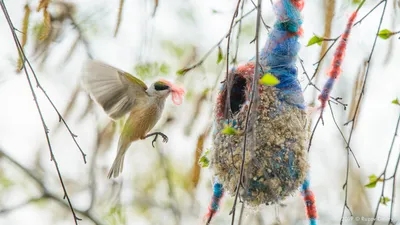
(275, 162)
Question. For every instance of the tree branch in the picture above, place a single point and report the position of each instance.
(46, 194)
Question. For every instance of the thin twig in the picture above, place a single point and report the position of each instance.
(335, 40)
(359, 102)
(310, 83)
(342, 135)
(199, 63)
(19, 48)
(312, 133)
(366, 75)
(345, 186)
(369, 12)
(254, 96)
(46, 194)
(38, 85)
(234, 60)
(241, 214)
(228, 78)
(394, 189)
(384, 174)
(262, 18)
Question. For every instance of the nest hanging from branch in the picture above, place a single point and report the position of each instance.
(276, 161)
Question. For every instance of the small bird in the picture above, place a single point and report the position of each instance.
(119, 93)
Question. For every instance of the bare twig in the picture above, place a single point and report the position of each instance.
(336, 100)
(384, 175)
(241, 214)
(46, 131)
(345, 186)
(227, 109)
(336, 39)
(342, 135)
(379, 3)
(254, 96)
(394, 190)
(329, 6)
(262, 18)
(46, 194)
(366, 75)
(199, 63)
(358, 105)
(234, 60)
(313, 133)
(38, 85)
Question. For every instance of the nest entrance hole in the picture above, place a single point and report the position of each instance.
(238, 95)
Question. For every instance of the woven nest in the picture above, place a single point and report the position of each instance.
(275, 161)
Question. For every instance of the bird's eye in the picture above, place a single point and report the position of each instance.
(160, 87)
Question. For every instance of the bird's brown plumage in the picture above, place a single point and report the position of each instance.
(140, 121)
(119, 93)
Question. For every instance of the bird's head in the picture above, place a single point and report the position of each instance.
(162, 88)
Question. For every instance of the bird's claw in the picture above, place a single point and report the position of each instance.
(164, 137)
(154, 141)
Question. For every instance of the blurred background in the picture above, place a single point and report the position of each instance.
(166, 184)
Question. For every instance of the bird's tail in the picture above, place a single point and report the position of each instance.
(118, 164)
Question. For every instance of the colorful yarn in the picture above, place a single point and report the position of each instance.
(336, 64)
(309, 200)
(176, 92)
(276, 164)
(279, 54)
(218, 193)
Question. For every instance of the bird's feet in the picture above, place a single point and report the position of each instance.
(165, 137)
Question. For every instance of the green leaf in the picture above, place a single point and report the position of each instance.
(315, 40)
(384, 200)
(204, 161)
(269, 79)
(220, 55)
(373, 179)
(385, 34)
(396, 101)
(229, 130)
(371, 184)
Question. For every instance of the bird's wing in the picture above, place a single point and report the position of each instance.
(115, 90)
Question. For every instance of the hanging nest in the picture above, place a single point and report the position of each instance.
(275, 160)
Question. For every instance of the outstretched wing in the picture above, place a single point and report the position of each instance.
(115, 90)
